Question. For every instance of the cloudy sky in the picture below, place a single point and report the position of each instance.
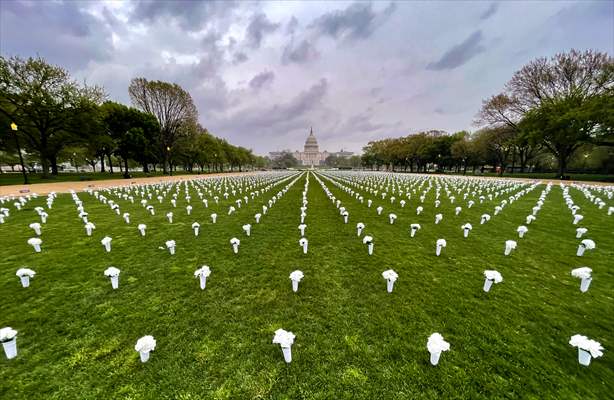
(262, 73)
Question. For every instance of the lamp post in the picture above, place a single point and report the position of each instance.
(23, 168)
(170, 165)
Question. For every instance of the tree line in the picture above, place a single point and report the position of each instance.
(553, 112)
(57, 119)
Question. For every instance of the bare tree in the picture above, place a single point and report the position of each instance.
(170, 104)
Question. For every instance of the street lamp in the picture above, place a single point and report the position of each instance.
(23, 168)
(170, 166)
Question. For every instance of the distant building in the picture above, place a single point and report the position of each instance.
(311, 155)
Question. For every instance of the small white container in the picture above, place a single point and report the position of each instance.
(144, 356)
(584, 357)
(115, 281)
(203, 282)
(585, 283)
(487, 284)
(10, 348)
(287, 354)
(435, 358)
(580, 251)
(25, 280)
(389, 285)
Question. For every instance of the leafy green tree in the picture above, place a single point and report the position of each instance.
(49, 108)
(285, 160)
(130, 131)
(566, 125)
(576, 84)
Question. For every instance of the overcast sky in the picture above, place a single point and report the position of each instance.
(262, 73)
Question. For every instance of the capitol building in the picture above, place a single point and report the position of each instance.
(311, 155)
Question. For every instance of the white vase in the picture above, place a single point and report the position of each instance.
(487, 284)
(172, 250)
(586, 282)
(195, 231)
(235, 248)
(413, 232)
(370, 248)
(107, 247)
(465, 232)
(580, 252)
(294, 286)
(305, 248)
(144, 356)
(521, 234)
(25, 280)
(37, 248)
(115, 281)
(10, 348)
(584, 357)
(435, 358)
(438, 250)
(508, 250)
(203, 282)
(287, 354)
(389, 285)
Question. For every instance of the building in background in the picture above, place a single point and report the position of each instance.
(311, 156)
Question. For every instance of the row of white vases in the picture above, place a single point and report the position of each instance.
(587, 348)
(491, 276)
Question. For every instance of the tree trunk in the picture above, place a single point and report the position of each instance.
(45, 165)
(102, 163)
(145, 167)
(165, 161)
(110, 163)
(562, 165)
(126, 174)
(54, 165)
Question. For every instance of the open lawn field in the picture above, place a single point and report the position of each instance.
(354, 340)
(13, 178)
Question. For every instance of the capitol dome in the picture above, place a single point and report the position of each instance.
(311, 144)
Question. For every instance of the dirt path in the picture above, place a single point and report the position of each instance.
(63, 187)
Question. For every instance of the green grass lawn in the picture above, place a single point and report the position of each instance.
(17, 178)
(353, 339)
(549, 176)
